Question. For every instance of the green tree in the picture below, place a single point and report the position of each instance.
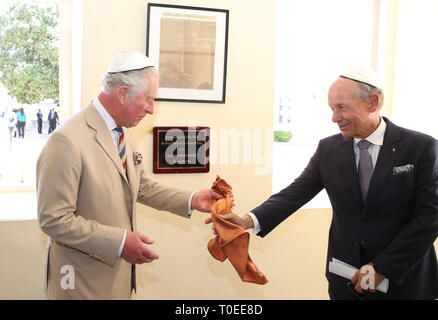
(29, 52)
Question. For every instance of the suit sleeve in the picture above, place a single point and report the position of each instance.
(283, 204)
(419, 234)
(58, 182)
(161, 197)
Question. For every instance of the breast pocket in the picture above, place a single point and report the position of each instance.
(402, 184)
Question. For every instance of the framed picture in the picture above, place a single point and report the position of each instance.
(189, 48)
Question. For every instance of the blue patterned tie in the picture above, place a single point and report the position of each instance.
(365, 168)
(122, 145)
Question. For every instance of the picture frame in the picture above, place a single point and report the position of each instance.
(189, 47)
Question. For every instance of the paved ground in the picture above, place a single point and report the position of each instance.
(18, 165)
(18, 170)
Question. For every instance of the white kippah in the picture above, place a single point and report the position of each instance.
(129, 61)
(363, 75)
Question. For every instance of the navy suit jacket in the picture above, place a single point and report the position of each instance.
(395, 228)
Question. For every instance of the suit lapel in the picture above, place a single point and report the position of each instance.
(130, 167)
(132, 177)
(388, 154)
(104, 138)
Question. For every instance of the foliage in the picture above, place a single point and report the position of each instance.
(282, 136)
(29, 52)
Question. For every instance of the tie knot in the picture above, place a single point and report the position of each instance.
(363, 144)
(118, 130)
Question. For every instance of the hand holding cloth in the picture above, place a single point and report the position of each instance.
(232, 241)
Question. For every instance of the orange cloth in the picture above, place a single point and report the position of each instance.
(232, 241)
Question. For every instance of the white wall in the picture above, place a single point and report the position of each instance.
(416, 66)
(21, 260)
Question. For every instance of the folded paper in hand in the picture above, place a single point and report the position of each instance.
(345, 270)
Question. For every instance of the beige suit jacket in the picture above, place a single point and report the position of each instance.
(86, 201)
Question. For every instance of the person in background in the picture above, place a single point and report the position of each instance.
(21, 123)
(382, 181)
(53, 120)
(90, 177)
(11, 119)
(40, 121)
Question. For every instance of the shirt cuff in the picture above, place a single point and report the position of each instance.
(123, 244)
(256, 223)
(190, 204)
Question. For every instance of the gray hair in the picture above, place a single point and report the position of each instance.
(134, 80)
(365, 92)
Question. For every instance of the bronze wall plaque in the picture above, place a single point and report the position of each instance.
(181, 149)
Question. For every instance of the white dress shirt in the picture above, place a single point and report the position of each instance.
(376, 139)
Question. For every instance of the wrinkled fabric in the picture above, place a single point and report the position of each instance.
(232, 241)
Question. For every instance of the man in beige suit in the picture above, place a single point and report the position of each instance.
(89, 178)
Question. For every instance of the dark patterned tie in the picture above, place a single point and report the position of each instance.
(122, 145)
(365, 168)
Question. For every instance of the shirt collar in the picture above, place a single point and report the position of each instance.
(109, 121)
(377, 136)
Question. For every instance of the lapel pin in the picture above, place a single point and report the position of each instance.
(393, 149)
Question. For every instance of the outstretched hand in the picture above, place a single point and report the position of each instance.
(203, 200)
(243, 221)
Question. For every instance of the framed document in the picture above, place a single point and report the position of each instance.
(189, 48)
(181, 149)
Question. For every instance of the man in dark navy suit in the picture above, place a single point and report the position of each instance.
(382, 181)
